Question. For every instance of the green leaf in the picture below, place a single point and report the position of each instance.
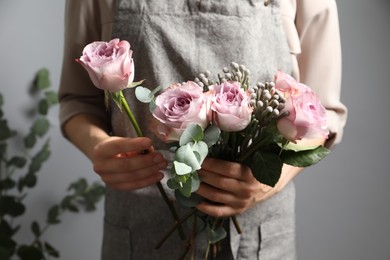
(30, 180)
(40, 127)
(173, 184)
(3, 149)
(193, 133)
(211, 135)
(186, 155)
(78, 186)
(216, 235)
(30, 140)
(5, 131)
(195, 182)
(30, 253)
(51, 250)
(17, 161)
(36, 230)
(10, 206)
(304, 158)
(1, 100)
(43, 79)
(188, 201)
(39, 158)
(134, 84)
(51, 97)
(7, 247)
(53, 214)
(96, 191)
(200, 148)
(6, 230)
(152, 106)
(181, 168)
(7, 184)
(266, 167)
(43, 107)
(143, 94)
(185, 190)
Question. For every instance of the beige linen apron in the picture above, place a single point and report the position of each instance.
(173, 41)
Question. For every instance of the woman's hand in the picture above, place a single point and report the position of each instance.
(122, 163)
(230, 187)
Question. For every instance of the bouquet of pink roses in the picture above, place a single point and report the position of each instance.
(229, 119)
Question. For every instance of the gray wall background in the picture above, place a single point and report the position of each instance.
(343, 207)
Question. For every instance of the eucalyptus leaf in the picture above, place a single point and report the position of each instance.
(304, 158)
(190, 201)
(5, 131)
(3, 150)
(10, 206)
(51, 250)
(51, 97)
(211, 135)
(181, 168)
(173, 184)
(195, 182)
(6, 229)
(41, 156)
(43, 107)
(30, 253)
(78, 186)
(30, 180)
(186, 155)
(7, 184)
(53, 214)
(143, 94)
(266, 167)
(17, 161)
(7, 247)
(30, 140)
(40, 127)
(216, 235)
(152, 106)
(36, 229)
(186, 189)
(192, 133)
(43, 79)
(96, 191)
(200, 148)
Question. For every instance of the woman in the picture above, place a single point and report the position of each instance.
(174, 41)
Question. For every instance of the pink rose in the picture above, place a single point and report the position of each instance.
(230, 107)
(178, 106)
(307, 117)
(109, 65)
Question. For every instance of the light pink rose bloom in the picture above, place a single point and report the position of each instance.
(178, 106)
(230, 107)
(307, 117)
(109, 64)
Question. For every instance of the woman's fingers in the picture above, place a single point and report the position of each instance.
(122, 163)
(114, 146)
(154, 161)
(228, 169)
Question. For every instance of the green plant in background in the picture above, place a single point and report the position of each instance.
(18, 175)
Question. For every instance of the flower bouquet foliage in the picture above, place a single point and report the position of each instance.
(229, 119)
